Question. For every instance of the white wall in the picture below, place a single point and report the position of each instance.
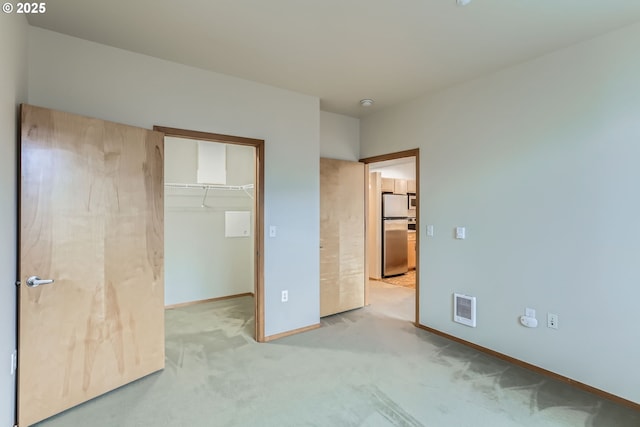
(339, 136)
(200, 262)
(399, 171)
(540, 163)
(13, 91)
(82, 77)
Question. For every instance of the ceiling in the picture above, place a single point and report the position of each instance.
(341, 50)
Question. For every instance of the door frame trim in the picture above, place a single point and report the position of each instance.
(258, 144)
(392, 156)
(18, 251)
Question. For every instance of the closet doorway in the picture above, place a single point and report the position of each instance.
(214, 192)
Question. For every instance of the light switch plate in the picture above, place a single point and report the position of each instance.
(430, 230)
(272, 231)
(460, 233)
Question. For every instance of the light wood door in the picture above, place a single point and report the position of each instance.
(342, 236)
(91, 218)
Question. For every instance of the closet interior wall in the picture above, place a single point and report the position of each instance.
(200, 262)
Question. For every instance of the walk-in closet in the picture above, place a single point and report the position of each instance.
(209, 221)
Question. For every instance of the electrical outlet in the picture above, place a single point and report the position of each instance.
(14, 362)
(552, 321)
(285, 296)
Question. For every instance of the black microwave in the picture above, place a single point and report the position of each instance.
(413, 202)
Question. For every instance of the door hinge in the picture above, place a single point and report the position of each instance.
(18, 283)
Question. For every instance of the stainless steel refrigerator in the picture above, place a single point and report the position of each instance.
(394, 234)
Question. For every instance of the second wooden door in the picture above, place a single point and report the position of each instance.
(342, 236)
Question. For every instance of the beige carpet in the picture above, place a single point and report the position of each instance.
(407, 280)
(368, 367)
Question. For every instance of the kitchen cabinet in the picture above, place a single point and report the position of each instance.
(400, 186)
(411, 249)
(394, 185)
(374, 231)
(411, 186)
(388, 185)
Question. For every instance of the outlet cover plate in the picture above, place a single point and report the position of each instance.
(552, 320)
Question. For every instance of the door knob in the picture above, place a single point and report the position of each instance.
(35, 281)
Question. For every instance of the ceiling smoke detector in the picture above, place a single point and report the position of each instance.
(463, 2)
(366, 102)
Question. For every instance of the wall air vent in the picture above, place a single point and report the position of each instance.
(464, 309)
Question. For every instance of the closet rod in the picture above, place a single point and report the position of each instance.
(207, 187)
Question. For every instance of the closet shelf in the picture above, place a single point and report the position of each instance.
(207, 187)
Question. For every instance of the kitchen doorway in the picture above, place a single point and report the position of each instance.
(229, 204)
(392, 201)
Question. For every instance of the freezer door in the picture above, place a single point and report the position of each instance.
(394, 247)
(394, 206)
